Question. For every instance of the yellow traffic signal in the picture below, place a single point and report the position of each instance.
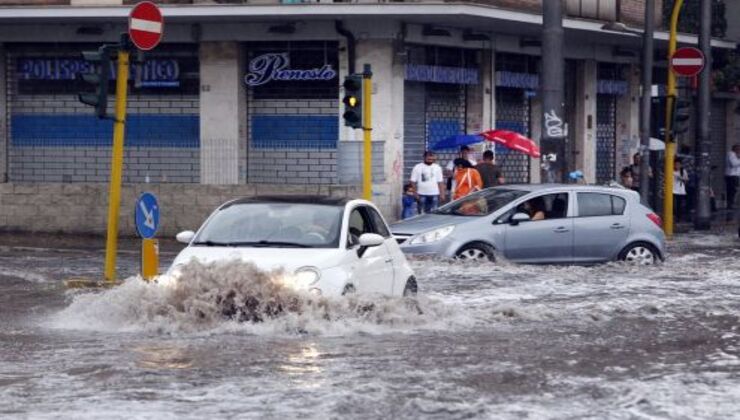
(352, 101)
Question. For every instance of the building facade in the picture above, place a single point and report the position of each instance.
(245, 97)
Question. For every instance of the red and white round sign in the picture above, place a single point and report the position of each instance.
(687, 61)
(145, 25)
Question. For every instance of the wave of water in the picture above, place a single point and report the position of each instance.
(237, 296)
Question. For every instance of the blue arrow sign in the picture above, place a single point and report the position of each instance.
(146, 215)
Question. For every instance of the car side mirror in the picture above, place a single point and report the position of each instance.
(368, 240)
(519, 217)
(185, 236)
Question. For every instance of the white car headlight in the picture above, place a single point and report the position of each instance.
(307, 276)
(432, 235)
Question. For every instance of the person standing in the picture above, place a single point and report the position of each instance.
(428, 182)
(732, 175)
(467, 179)
(625, 177)
(409, 202)
(450, 168)
(680, 178)
(489, 172)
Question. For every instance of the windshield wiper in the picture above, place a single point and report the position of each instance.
(212, 243)
(267, 244)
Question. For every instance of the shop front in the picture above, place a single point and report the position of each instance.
(439, 92)
(55, 138)
(292, 94)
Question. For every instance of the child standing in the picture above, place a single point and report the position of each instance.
(409, 202)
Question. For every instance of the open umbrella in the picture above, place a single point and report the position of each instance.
(453, 142)
(514, 141)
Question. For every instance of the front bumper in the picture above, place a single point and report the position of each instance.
(442, 248)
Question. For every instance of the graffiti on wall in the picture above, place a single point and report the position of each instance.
(554, 125)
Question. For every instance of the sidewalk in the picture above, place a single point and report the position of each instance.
(722, 222)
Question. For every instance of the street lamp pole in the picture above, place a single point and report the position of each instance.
(552, 86)
(645, 104)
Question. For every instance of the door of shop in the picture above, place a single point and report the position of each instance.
(606, 137)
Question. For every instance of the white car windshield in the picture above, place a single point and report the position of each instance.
(481, 203)
(279, 225)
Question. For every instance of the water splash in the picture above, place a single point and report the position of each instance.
(238, 297)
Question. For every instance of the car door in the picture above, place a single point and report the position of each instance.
(543, 241)
(372, 269)
(601, 226)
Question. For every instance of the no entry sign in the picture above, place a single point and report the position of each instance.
(687, 62)
(145, 25)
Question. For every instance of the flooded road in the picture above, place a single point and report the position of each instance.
(488, 341)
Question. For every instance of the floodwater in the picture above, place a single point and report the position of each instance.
(487, 341)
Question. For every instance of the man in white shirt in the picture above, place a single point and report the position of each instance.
(429, 183)
(450, 168)
(732, 175)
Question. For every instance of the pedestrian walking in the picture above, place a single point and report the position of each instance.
(688, 164)
(428, 183)
(450, 168)
(732, 175)
(489, 172)
(680, 178)
(467, 179)
(410, 201)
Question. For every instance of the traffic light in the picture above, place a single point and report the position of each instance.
(353, 101)
(100, 74)
(681, 116)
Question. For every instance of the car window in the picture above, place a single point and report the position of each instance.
(597, 204)
(359, 223)
(273, 224)
(618, 205)
(543, 207)
(481, 203)
(378, 223)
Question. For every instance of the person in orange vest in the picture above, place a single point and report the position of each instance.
(467, 179)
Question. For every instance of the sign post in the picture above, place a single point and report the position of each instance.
(146, 218)
(116, 170)
(145, 31)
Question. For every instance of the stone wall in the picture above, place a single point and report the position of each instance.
(82, 208)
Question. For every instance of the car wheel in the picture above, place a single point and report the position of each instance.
(476, 251)
(348, 290)
(411, 289)
(640, 253)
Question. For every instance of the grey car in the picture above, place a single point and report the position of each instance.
(544, 223)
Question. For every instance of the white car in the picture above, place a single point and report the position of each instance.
(329, 246)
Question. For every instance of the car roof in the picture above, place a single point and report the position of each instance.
(292, 199)
(575, 187)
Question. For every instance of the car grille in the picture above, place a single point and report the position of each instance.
(401, 237)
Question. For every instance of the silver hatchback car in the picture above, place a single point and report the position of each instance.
(544, 223)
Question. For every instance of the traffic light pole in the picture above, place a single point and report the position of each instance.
(670, 145)
(116, 170)
(367, 95)
(703, 216)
